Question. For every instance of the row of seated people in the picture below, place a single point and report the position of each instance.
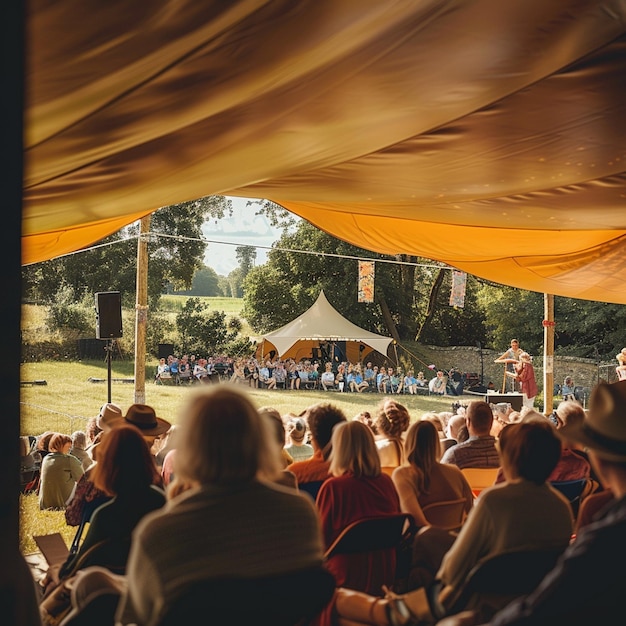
(190, 369)
(344, 481)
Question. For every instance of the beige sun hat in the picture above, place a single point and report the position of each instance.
(604, 428)
(110, 414)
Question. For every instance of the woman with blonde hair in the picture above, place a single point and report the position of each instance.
(357, 489)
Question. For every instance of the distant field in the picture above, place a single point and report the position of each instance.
(230, 306)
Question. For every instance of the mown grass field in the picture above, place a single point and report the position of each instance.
(68, 399)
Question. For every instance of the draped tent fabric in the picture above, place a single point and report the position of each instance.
(487, 135)
(321, 324)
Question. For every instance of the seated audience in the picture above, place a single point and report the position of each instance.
(392, 421)
(573, 463)
(574, 593)
(438, 384)
(480, 449)
(522, 513)
(284, 477)
(357, 489)
(567, 389)
(60, 471)
(410, 383)
(328, 377)
(78, 449)
(231, 522)
(125, 472)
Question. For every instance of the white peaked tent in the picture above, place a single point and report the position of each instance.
(322, 329)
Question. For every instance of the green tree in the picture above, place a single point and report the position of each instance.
(205, 283)
(246, 255)
(176, 250)
(203, 331)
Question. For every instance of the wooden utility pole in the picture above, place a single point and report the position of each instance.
(141, 311)
(548, 353)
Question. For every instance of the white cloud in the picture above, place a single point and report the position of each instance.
(244, 228)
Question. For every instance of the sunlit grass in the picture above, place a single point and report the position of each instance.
(68, 399)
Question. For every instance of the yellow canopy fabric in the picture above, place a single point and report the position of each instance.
(485, 134)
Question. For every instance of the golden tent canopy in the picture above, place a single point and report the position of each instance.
(486, 135)
(320, 330)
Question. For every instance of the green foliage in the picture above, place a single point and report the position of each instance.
(174, 257)
(455, 326)
(202, 331)
(205, 283)
(66, 313)
(246, 256)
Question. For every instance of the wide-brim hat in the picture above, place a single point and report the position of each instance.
(604, 428)
(145, 419)
(109, 415)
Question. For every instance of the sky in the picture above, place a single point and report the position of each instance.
(243, 228)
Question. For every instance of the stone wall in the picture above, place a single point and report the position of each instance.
(585, 372)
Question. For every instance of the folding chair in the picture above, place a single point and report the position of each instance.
(576, 491)
(447, 514)
(480, 478)
(495, 581)
(382, 539)
(283, 600)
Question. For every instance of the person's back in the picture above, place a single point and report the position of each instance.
(392, 421)
(356, 490)
(423, 480)
(126, 472)
(576, 592)
(523, 513)
(321, 419)
(78, 449)
(480, 449)
(60, 471)
(229, 523)
(298, 448)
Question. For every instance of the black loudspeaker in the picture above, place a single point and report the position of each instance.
(108, 314)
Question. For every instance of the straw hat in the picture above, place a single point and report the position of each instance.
(143, 417)
(109, 415)
(604, 428)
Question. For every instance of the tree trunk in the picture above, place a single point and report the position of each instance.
(391, 326)
(432, 300)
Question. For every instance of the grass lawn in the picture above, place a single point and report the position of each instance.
(68, 399)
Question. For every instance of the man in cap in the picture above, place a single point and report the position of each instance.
(583, 588)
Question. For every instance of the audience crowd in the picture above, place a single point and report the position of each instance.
(233, 491)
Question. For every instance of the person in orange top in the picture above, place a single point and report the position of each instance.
(321, 419)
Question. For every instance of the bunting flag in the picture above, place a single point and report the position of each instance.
(457, 292)
(366, 281)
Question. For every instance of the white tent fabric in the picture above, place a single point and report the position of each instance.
(321, 323)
